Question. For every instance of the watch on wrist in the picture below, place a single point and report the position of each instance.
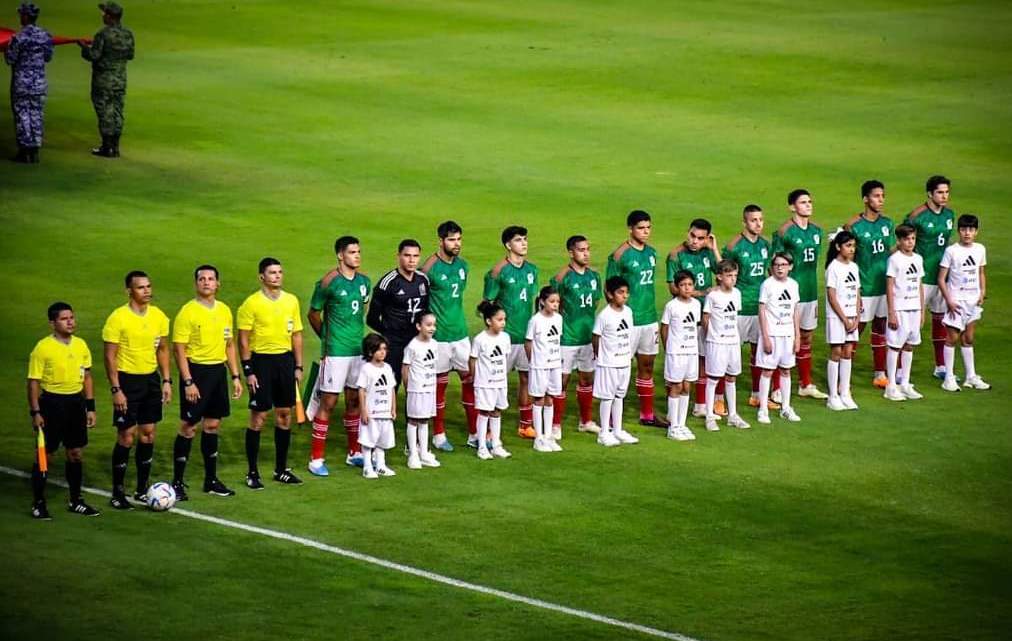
(187, 382)
(166, 381)
(34, 413)
(114, 389)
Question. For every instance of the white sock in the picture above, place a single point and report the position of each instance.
(549, 417)
(616, 414)
(381, 457)
(833, 376)
(711, 388)
(495, 424)
(785, 389)
(971, 371)
(683, 409)
(764, 392)
(539, 422)
(845, 364)
(950, 360)
(673, 404)
(412, 439)
(731, 398)
(892, 357)
(366, 459)
(483, 420)
(423, 438)
(605, 407)
(906, 362)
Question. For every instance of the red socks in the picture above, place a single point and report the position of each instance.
(878, 344)
(351, 424)
(438, 424)
(526, 415)
(467, 400)
(585, 397)
(804, 365)
(938, 339)
(320, 429)
(645, 391)
(559, 402)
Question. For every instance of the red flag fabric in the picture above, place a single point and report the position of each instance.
(6, 33)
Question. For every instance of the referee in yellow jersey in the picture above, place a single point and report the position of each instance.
(61, 401)
(136, 338)
(270, 345)
(202, 341)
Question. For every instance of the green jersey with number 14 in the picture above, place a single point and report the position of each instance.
(515, 289)
(804, 246)
(447, 282)
(580, 294)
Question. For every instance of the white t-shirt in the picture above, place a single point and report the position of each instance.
(545, 334)
(723, 308)
(491, 353)
(682, 319)
(779, 299)
(906, 272)
(964, 265)
(846, 280)
(614, 348)
(420, 357)
(379, 385)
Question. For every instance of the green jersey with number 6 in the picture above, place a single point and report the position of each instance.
(580, 294)
(447, 282)
(875, 240)
(753, 260)
(933, 232)
(638, 267)
(515, 289)
(698, 263)
(804, 246)
(342, 301)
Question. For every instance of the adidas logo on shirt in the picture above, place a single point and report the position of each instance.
(785, 295)
(690, 318)
(912, 270)
(554, 331)
(623, 325)
(497, 351)
(429, 356)
(381, 381)
(850, 278)
(969, 262)
(730, 307)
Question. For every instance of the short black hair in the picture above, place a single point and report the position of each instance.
(869, 185)
(343, 242)
(573, 240)
(749, 208)
(447, 228)
(489, 308)
(206, 268)
(54, 310)
(408, 242)
(701, 223)
(128, 280)
(267, 262)
(512, 232)
(794, 195)
(370, 344)
(614, 283)
(636, 217)
(932, 183)
(905, 230)
(967, 221)
(683, 274)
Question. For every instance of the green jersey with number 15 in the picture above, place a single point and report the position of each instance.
(638, 267)
(804, 246)
(580, 294)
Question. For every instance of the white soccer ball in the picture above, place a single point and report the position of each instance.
(161, 497)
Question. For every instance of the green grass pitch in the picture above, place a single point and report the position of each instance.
(266, 128)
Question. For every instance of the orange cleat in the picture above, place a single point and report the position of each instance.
(754, 402)
(719, 408)
(526, 432)
(882, 382)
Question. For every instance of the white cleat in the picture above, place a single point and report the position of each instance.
(977, 383)
(385, 471)
(589, 426)
(484, 454)
(554, 446)
(811, 391)
(428, 460)
(788, 414)
(950, 384)
(541, 446)
(763, 417)
(834, 403)
(699, 411)
(711, 423)
(625, 437)
(687, 434)
(414, 462)
(893, 393)
(908, 391)
(369, 474)
(607, 439)
(736, 421)
(848, 402)
(500, 452)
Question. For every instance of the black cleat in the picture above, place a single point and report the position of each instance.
(287, 476)
(656, 421)
(40, 512)
(180, 489)
(142, 496)
(216, 487)
(120, 502)
(82, 508)
(253, 481)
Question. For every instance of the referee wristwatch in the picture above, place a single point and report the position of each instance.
(186, 382)
(114, 389)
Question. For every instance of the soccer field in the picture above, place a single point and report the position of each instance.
(260, 128)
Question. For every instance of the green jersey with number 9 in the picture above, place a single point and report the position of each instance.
(580, 294)
(933, 232)
(342, 301)
(804, 246)
(515, 289)
(447, 282)
(638, 267)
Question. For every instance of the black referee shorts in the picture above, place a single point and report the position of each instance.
(275, 381)
(144, 400)
(66, 420)
(212, 383)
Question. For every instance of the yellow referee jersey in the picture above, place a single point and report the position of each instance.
(271, 323)
(138, 337)
(204, 330)
(60, 366)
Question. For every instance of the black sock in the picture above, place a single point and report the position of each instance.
(38, 483)
(209, 448)
(282, 438)
(120, 456)
(252, 448)
(74, 470)
(180, 454)
(142, 457)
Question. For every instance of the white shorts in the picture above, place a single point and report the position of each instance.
(489, 399)
(835, 332)
(908, 332)
(722, 359)
(782, 356)
(378, 432)
(544, 382)
(643, 339)
(969, 312)
(453, 356)
(611, 382)
(873, 307)
(518, 359)
(580, 357)
(934, 300)
(421, 404)
(809, 313)
(678, 368)
(339, 372)
(748, 329)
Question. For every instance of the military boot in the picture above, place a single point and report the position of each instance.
(114, 146)
(102, 150)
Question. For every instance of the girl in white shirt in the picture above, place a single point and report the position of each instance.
(843, 313)
(543, 344)
(418, 372)
(490, 351)
(377, 395)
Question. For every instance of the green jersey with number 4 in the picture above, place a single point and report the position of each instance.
(753, 260)
(447, 282)
(804, 246)
(933, 233)
(580, 294)
(515, 289)
(342, 301)
(875, 240)
(638, 267)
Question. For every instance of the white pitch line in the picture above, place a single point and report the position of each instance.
(398, 567)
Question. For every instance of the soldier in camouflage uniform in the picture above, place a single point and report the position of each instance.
(108, 53)
(27, 54)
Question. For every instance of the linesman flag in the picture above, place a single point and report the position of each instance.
(40, 444)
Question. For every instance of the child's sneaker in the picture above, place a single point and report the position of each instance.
(699, 411)
(834, 403)
(687, 434)
(811, 391)
(625, 437)
(788, 414)
(541, 446)
(763, 416)
(353, 459)
(428, 459)
(880, 382)
(908, 391)
(484, 454)
(526, 431)
(950, 384)
(893, 393)
(414, 462)
(369, 473)
(589, 426)
(607, 439)
(317, 467)
(500, 452)
(554, 446)
(848, 401)
(383, 470)
(736, 421)
(557, 432)
(719, 407)
(441, 443)
(976, 383)
(711, 424)
(472, 441)
(940, 373)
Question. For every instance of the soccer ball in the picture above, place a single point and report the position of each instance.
(161, 497)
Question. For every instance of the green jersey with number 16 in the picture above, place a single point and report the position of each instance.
(875, 240)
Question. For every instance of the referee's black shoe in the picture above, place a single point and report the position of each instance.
(216, 487)
(253, 481)
(120, 502)
(180, 488)
(82, 508)
(287, 476)
(40, 512)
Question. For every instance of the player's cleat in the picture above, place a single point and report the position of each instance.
(763, 417)
(736, 421)
(82, 508)
(950, 384)
(753, 401)
(687, 434)
(776, 397)
(318, 467)
(788, 414)
(414, 462)
(180, 489)
(848, 401)
(442, 444)
(607, 439)
(541, 446)
(880, 382)
(909, 392)
(526, 431)
(369, 473)
(253, 481)
(625, 438)
(383, 470)
(287, 476)
(939, 372)
(699, 411)
(893, 393)
(217, 488)
(711, 423)
(589, 426)
(141, 496)
(719, 407)
(976, 383)
(40, 512)
(353, 459)
(500, 452)
(554, 446)
(120, 502)
(811, 391)
(835, 404)
(428, 460)
(484, 454)
(472, 441)
(557, 432)
(654, 421)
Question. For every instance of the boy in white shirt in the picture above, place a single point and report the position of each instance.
(963, 285)
(779, 334)
(723, 344)
(490, 351)
(680, 337)
(905, 313)
(418, 372)
(612, 343)
(377, 395)
(543, 344)
(843, 314)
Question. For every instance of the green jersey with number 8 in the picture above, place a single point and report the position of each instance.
(698, 263)
(638, 267)
(515, 289)
(580, 294)
(804, 246)
(447, 282)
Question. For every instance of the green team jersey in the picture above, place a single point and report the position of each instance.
(515, 289)
(804, 246)
(753, 260)
(698, 263)
(342, 302)
(875, 240)
(638, 267)
(933, 232)
(447, 282)
(580, 294)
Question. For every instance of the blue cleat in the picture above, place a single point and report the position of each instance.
(354, 460)
(317, 467)
(940, 372)
(444, 445)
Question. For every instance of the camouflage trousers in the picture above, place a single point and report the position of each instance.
(108, 105)
(28, 119)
